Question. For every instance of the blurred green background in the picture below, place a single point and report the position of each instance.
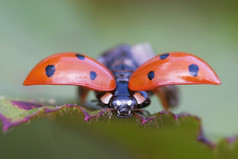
(30, 30)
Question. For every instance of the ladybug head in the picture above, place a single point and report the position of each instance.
(123, 105)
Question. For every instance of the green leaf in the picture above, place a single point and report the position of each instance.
(162, 135)
(13, 113)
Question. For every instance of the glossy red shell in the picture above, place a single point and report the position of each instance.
(174, 68)
(72, 69)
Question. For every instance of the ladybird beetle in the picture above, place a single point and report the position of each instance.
(125, 77)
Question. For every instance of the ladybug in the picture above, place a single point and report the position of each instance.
(124, 77)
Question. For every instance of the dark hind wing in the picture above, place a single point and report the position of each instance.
(115, 56)
(142, 53)
(132, 56)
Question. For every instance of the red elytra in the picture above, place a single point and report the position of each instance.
(124, 91)
(174, 68)
(71, 69)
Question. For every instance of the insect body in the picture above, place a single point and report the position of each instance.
(124, 77)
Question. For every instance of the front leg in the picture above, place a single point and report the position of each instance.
(168, 95)
(82, 96)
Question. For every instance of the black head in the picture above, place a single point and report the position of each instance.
(123, 105)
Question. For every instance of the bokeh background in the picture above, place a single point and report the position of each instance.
(30, 30)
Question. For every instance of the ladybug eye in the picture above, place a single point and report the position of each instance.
(115, 102)
(118, 103)
(129, 102)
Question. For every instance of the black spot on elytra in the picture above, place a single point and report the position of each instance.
(93, 75)
(81, 57)
(164, 56)
(151, 75)
(193, 69)
(50, 70)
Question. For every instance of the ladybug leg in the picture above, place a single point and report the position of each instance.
(82, 95)
(168, 96)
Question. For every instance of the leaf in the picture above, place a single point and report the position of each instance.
(13, 113)
(162, 135)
